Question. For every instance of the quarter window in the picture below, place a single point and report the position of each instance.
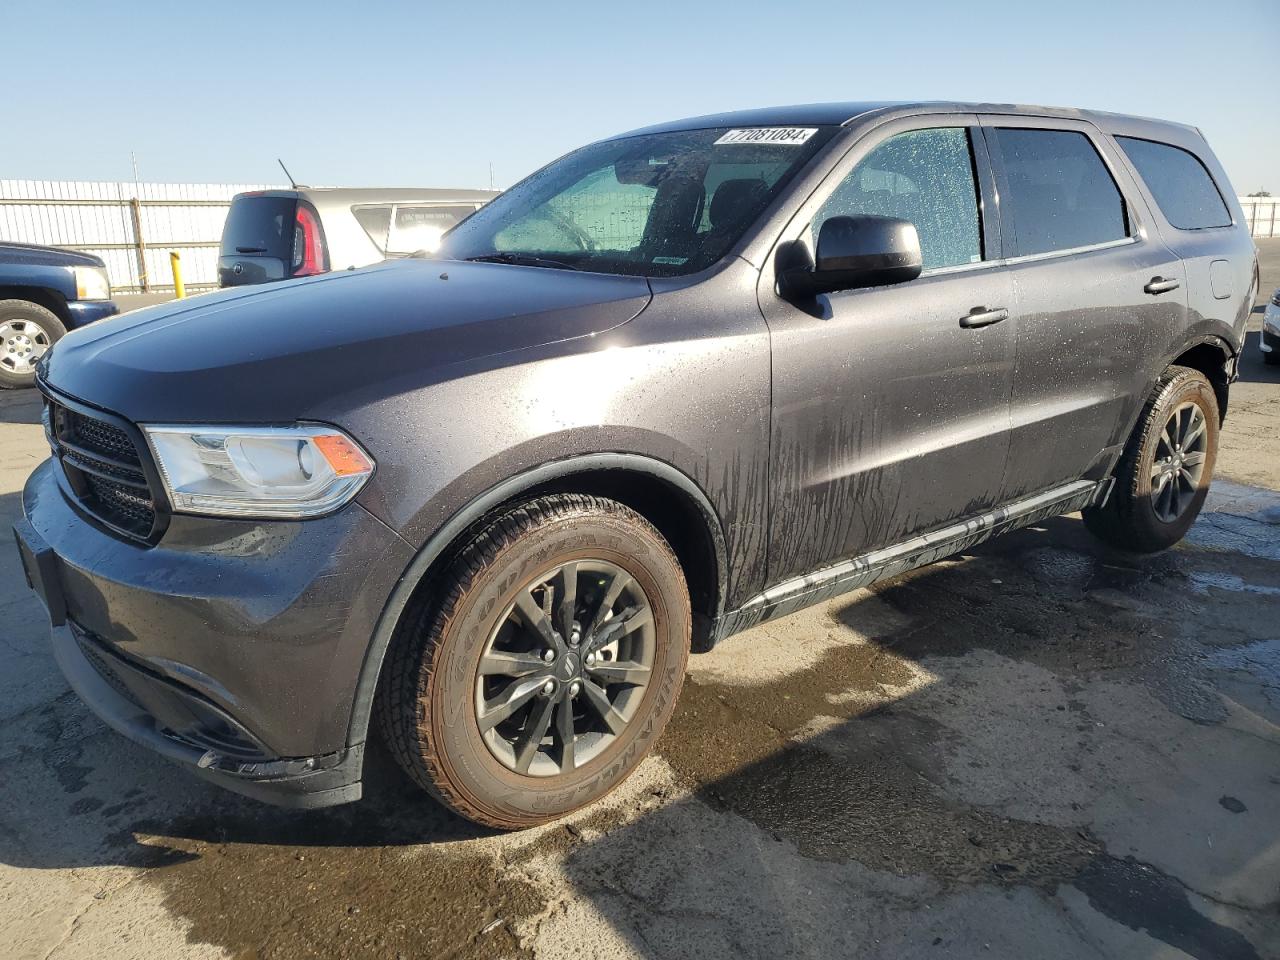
(926, 177)
(1059, 194)
(1179, 182)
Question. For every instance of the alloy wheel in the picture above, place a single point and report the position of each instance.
(566, 668)
(22, 343)
(1178, 466)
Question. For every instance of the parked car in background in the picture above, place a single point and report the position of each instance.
(674, 384)
(44, 292)
(280, 234)
(1270, 339)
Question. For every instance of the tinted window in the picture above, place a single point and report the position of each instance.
(925, 176)
(1179, 182)
(1059, 195)
(376, 222)
(259, 225)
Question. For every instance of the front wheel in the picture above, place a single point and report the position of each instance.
(1163, 475)
(545, 664)
(27, 331)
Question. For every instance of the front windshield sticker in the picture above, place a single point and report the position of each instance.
(786, 136)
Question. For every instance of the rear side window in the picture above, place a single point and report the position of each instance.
(408, 228)
(376, 222)
(259, 226)
(1059, 194)
(416, 228)
(1180, 183)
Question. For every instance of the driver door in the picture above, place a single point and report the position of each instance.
(890, 418)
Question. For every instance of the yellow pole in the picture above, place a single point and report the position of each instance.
(175, 261)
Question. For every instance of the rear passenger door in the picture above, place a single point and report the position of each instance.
(1096, 292)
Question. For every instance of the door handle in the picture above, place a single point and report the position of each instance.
(982, 317)
(1159, 285)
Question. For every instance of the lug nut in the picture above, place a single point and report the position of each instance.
(548, 655)
(591, 659)
(548, 688)
(574, 688)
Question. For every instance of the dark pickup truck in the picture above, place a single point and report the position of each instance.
(44, 292)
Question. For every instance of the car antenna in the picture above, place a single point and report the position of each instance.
(293, 183)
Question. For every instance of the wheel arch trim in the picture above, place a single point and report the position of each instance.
(439, 542)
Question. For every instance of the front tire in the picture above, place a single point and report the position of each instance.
(543, 666)
(1163, 475)
(27, 331)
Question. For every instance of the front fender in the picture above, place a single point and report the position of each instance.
(441, 539)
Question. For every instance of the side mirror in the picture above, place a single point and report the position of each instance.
(861, 251)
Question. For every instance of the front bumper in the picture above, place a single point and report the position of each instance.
(87, 311)
(232, 647)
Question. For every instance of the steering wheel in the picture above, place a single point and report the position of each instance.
(579, 236)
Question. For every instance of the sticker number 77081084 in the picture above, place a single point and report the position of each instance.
(786, 136)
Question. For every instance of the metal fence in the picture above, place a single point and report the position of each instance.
(132, 227)
(1263, 215)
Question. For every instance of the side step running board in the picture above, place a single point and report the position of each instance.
(832, 581)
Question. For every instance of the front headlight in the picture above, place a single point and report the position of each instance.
(287, 472)
(1275, 298)
(92, 283)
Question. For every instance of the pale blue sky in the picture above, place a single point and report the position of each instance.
(425, 94)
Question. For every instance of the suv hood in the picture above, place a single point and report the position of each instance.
(306, 348)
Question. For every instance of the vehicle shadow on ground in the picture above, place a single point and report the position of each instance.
(832, 778)
(1252, 367)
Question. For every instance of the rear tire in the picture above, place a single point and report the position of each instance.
(27, 332)
(1164, 472)
(497, 628)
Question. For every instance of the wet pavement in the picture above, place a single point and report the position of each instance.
(1038, 748)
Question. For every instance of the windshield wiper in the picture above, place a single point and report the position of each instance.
(521, 260)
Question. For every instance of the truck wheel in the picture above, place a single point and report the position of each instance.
(1164, 473)
(543, 665)
(27, 331)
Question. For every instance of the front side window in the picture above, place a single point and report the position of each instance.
(926, 177)
(661, 204)
(1179, 182)
(1059, 194)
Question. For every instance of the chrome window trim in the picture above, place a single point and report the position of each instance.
(1027, 258)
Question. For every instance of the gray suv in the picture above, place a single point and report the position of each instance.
(670, 386)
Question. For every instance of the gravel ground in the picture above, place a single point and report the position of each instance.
(1038, 748)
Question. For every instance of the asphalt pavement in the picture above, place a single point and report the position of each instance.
(1036, 749)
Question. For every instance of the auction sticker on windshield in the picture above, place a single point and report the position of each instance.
(787, 136)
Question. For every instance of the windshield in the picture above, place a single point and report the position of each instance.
(661, 204)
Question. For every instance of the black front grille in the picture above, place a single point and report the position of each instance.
(104, 468)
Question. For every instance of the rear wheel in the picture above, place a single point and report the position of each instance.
(547, 665)
(1163, 475)
(27, 331)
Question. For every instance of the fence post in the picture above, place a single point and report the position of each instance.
(135, 205)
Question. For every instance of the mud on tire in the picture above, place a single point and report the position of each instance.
(433, 701)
